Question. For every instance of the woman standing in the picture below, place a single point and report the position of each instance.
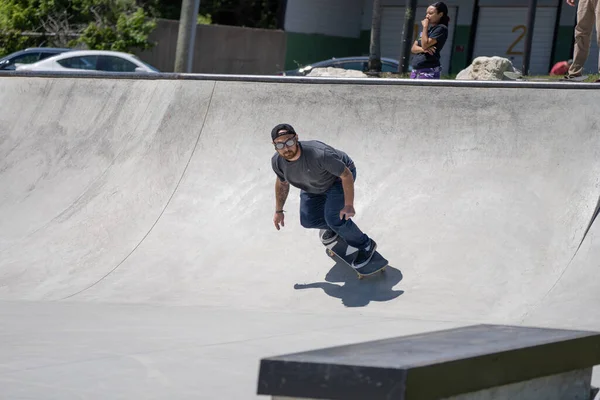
(426, 61)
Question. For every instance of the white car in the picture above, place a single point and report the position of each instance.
(91, 61)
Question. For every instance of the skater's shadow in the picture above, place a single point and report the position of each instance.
(342, 283)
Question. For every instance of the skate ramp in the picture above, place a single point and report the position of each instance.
(159, 195)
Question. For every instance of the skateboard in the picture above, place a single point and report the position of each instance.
(581, 78)
(516, 76)
(339, 249)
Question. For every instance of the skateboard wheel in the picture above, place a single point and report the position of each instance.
(360, 277)
(330, 253)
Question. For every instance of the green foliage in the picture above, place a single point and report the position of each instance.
(96, 24)
(129, 31)
(15, 16)
(204, 19)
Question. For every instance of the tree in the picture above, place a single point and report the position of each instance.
(375, 48)
(119, 25)
(15, 17)
(407, 34)
(117, 28)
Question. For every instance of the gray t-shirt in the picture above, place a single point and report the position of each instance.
(317, 168)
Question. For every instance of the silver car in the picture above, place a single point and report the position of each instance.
(91, 61)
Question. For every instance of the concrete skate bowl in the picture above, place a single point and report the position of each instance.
(159, 193)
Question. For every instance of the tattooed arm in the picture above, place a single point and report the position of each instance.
(281, 193)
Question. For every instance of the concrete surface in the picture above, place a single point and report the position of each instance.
(138, 256)
(477, 361)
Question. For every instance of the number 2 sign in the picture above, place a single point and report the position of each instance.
(511, 49)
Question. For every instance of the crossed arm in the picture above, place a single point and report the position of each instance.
(427, 44)
(424, 48)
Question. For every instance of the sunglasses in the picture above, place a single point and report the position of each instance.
(287, 143)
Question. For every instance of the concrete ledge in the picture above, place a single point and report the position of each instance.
(573, 385)
(438, 365)
(570, 385)
(304, 80)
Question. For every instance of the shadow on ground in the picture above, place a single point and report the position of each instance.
(342, 283)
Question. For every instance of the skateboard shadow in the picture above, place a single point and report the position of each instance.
(342, 283)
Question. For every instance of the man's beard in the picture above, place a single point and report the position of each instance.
(289, 154)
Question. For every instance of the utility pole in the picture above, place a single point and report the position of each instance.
(187, 35)
(407, 33)
(529, 37)
(375, 47)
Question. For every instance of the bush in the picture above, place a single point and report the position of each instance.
(96, 24)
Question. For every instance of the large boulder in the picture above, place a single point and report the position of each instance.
(487, 69)
(337, 72)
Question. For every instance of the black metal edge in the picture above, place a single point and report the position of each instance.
(572, 333)
(326, 381)
(445, 83)
(555, 33)
(485, 372)
(473, 33)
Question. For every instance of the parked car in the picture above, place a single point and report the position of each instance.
(355, 63)
(91, 61)
(29, 56)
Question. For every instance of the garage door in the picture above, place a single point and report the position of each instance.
(502, 32)
(392, 21)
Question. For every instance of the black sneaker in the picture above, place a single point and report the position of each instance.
(328, 236)
(364, 255)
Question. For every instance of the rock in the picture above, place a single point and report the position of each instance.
(337, 72)
(487, 69)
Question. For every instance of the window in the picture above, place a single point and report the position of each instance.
(355, 65)
(385, 67)
(28, 58)
(115, 64)
(82, 62)
(46, 55)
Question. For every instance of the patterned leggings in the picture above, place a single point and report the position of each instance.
(426, 73)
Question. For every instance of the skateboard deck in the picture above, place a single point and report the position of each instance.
(339, 249)
(516, 76)
(581, 78)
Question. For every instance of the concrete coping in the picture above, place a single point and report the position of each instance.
(430, 365)
(304, 80)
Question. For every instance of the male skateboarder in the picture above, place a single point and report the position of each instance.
(325, 177)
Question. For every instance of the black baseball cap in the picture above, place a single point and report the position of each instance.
(282, 129)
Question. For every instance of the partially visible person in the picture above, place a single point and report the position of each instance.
(426, 63)
(588, 14)
(561, 68)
